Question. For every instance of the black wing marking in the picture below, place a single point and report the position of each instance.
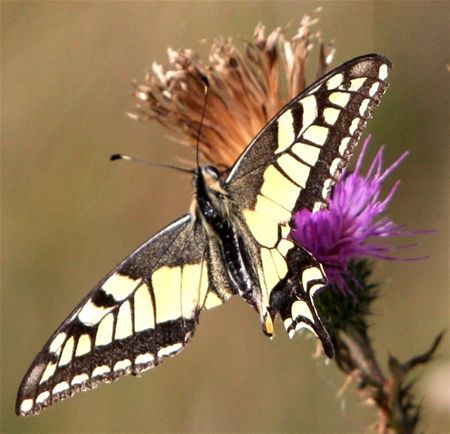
(292, 164)
(145, 310)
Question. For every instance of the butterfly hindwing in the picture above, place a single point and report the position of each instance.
(145, 310)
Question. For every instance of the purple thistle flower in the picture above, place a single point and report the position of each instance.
(352, 227)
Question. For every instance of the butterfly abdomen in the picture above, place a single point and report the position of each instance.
(213, 207)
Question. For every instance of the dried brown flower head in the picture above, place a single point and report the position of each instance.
(246, 88)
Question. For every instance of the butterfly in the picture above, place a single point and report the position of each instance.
(233, 241)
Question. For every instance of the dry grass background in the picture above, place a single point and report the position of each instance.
(69, 215)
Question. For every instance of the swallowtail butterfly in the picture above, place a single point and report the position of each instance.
(234, 240)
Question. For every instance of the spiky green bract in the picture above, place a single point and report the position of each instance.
(339, 311)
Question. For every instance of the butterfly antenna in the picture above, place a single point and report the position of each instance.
(115, 157)
(206, 84)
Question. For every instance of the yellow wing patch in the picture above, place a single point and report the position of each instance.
(144, 317)
(316, 134)
(105, 331)
(262, 227)
(296, 170)
(309, 105)
(180, 291)
(124, 325)
(120, 286)
(286, 135)
(166, 283)
(279, 189)
(194, 284)
(269, 270)
(84, 345)
(270, 208)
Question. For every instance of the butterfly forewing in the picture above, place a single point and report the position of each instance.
(145, 310)
(294, 161)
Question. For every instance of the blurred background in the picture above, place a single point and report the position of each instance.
(69, 215)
